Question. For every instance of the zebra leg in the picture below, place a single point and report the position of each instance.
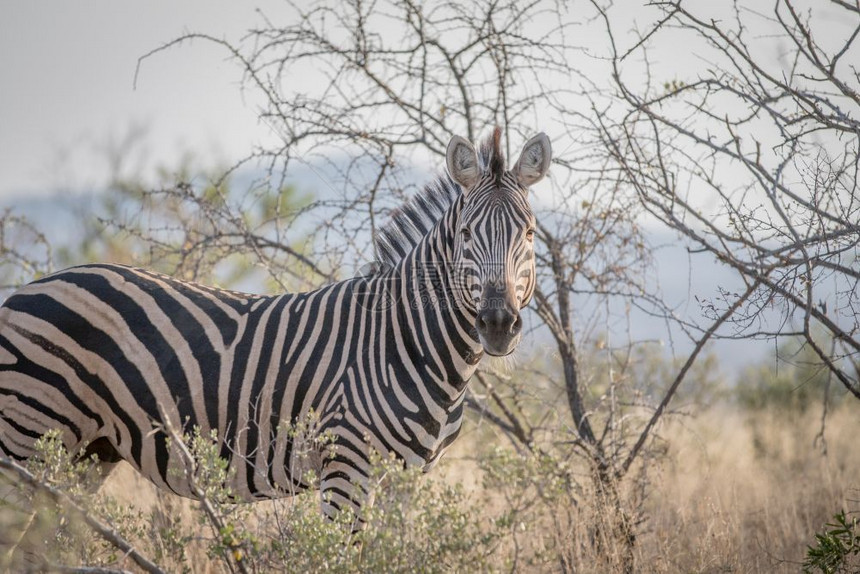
(19, 536)
(22, 535)
(344, 485)
(107, 457)
(13, 551)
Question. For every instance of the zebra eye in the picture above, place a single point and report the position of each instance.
(467, 234)
(530, 235)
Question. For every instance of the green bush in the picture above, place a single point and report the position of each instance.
(793, 380)
(837, 548)
(413, 524)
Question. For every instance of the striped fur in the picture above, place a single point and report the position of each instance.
(104, 352)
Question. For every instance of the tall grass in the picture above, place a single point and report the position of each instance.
(734, 490)
(746, 491)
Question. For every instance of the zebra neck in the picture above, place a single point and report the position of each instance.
(445, 340)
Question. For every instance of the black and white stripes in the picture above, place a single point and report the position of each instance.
(105, 352)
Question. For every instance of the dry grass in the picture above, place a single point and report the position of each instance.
(740, 492)
(737, 492)
(746, 493)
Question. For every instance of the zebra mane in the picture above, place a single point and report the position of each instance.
(413, 220)
(490, 155)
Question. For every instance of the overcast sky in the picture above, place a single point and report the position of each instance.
(66, 86)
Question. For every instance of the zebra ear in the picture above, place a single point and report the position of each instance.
(534, 161)
(462, 163)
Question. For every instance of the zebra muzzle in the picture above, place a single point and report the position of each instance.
(499, 324)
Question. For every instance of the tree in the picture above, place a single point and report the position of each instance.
(25, 252)
(387, 83)
(752, 156)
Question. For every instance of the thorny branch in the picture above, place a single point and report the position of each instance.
(776, 149)
(61, 498)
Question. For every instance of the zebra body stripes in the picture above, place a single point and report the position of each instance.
(105, 352)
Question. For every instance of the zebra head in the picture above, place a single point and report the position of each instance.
(494, 235)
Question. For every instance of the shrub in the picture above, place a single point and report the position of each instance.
(835, 547)
(412, 524)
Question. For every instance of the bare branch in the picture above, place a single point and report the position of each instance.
(106, 532)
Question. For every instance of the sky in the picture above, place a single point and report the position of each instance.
(67, 87)
(67, 90)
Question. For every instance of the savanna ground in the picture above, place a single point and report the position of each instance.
(742, 491)
(736, 488)
(738, 491)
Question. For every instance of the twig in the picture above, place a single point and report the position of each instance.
(700, 344)
(99, 527)
(178, 442)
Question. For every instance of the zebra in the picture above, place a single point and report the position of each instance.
(110, 354)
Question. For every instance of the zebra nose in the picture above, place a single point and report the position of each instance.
(499, 323)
